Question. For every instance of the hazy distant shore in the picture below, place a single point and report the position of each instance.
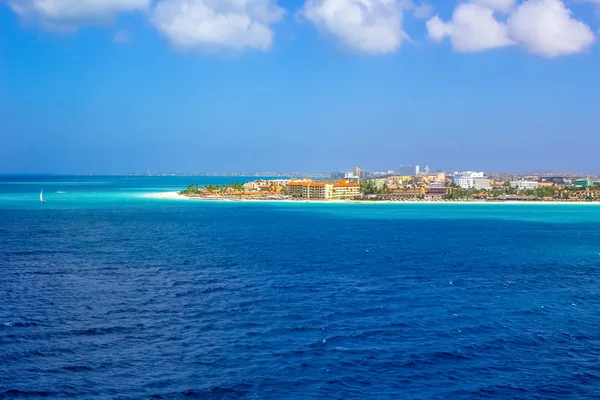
(177, 196)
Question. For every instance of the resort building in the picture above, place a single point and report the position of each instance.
(405, 194)
(524, 185)
(307, 189)
(272, 186)
(345, 190)
(397, 180)
(251, 186)
(466, 179)
(436, 192)
(438, 178)
(481, 183)
(583, 183)
(299, 187)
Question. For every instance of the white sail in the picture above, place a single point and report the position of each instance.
(42, 195)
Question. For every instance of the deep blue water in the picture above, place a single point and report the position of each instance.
(106, 294)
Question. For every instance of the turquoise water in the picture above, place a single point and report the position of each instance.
(86, 192)
(109, 294)
(22, 192)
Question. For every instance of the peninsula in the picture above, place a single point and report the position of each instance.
(418, 187)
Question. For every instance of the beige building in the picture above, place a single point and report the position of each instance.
(345, 190)
(307, 189)
(437, 178)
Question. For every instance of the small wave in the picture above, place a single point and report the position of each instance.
(19, 324)
(104, 331)
(447, 356)
(20, 394)
(77, 368)
(218, 392)
(206, 363)
(213, 289)
(37, 252)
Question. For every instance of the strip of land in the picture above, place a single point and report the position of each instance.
(178, 196)
(417, 189)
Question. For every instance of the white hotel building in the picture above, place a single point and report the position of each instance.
(466, 179)
(527, 185)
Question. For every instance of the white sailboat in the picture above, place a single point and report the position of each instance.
(42, 196)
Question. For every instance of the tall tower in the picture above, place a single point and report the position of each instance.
(357, 173)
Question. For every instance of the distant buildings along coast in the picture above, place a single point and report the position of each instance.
(409, 183)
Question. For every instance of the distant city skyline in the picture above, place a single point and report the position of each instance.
(313, 86)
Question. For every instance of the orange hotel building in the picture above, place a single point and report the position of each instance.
(307, 189)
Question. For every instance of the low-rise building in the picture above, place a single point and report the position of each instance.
(436, 192)
(465, 179)
(405, 194)
(524, 185)
(307, 189)
(344, 189)
(437, 178)
(398, 180)
(298, 187)
(481, 183)
(251, 186)
(583, 183)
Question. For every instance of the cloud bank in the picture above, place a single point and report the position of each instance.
(69, 15)
(208, 25)
(542, 27)
(361, 26)
(546, 28)
(472, 28)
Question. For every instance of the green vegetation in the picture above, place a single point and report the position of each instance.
(458, 193)
(368, 187)
(196, 189)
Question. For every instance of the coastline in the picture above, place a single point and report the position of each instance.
(177, 196)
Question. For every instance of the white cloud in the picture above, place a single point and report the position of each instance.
(472, 28)
(209, 25)
(502, 6)
(68, 15)
(361, 26)
(543, 27)
(547, 28)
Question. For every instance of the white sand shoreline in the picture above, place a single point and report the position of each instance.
(177, 196)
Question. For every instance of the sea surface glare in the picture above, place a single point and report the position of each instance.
(107, 294)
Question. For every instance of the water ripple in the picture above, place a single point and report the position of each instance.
(270, 302)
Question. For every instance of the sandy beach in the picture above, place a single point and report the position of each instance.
(177, 196)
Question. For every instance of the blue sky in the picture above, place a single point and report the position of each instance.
(259, 85)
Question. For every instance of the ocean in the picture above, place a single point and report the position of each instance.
(107, 294)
